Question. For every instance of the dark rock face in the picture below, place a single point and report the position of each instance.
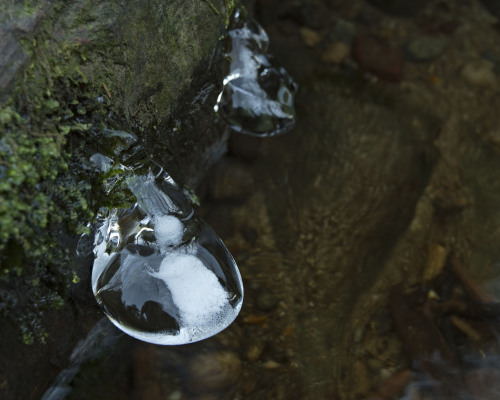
(67, 70)
(147, 58)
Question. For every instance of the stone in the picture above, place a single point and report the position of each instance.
(480, 73)
(335, 53)
(140, 63)
(425, 48)
(309, 36)
(375, 55)
(436, 260)
(254, 351)
(271, 364)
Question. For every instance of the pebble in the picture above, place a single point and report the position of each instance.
(270, 364)
(254, 351)
(213, 371)
(175, 395)
(425, 48)
(310, 37)
(480, 73)
(436, 260)
(375, 55)
(335, 53)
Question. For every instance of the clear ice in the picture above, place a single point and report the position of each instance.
(257, 97)
(161, 274)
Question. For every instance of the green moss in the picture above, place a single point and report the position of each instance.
(44, 192)
(36, 190)
(214, 9)
(52, 120)
(231, 5)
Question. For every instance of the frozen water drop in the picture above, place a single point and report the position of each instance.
(257, 97)
(161, 274)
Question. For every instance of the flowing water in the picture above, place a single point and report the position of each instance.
(367, 237)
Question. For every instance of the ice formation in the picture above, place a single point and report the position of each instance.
(257, 97)
(161, 274)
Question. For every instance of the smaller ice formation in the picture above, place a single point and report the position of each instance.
(257, 97)
(161, 274)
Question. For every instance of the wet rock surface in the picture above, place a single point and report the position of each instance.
(66, 69)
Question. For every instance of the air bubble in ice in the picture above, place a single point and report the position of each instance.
(257, 97)
(161, 274)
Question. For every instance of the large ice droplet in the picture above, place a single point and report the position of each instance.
(257, 97)
(161, 274)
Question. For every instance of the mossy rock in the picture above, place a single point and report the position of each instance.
(67, 71)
